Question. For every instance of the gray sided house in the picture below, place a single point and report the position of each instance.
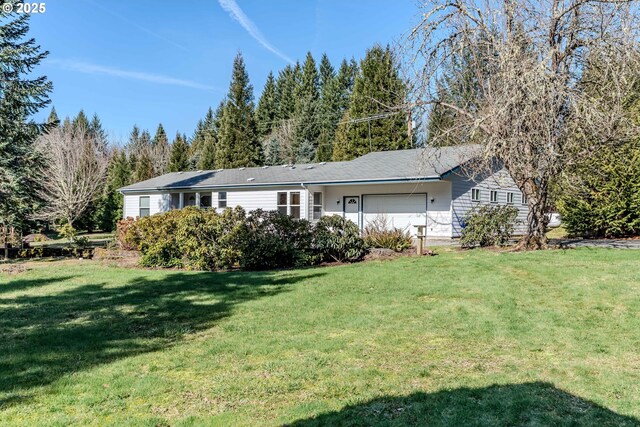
(425, 186)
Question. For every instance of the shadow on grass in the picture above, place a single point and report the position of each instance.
(536, 403)
(21, 285)
(43, 337)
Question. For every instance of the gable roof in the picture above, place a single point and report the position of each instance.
(418, 164)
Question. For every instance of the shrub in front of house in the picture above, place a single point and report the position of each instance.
(380, 234)
(202, 239)
(125, 237)
(209, 240)
(489, 226)
(155, 237)
(338, 239)
(276, 241)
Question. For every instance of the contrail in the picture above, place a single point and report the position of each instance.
(236, 13)
(88, 68)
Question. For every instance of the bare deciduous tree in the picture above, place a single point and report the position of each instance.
(74, 175)
(523, 98)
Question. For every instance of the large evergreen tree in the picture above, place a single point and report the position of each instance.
(207, 159)
(266, 111)
(373, 124)
(179, 158)
(160, 151)
(144, 168)
(307, 96)
(21, 96)
(53, 119)
(203, 129)
(238, 143)
(328, 110)
(286, 86)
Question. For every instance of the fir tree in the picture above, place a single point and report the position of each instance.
(160, 151)
(97, 132)
(144, 168)
(267, 108)
(53, 120)
(346, 79)
(307, 152)
(207, 158)
(273, 156)
(286, 87)
(21, 96)
(80, 121)
(307, 108)
(327, 73)
(203, 127)
(377, 88)
(238, 143)
(179, 158)
(329, 110)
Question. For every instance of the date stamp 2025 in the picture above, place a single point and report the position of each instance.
(29, 8)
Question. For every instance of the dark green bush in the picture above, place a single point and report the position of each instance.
(276, 241)
(155, 237)
(489, 226)
(603, 196)
(211, 241)
(379, 234)
(338, 239)
(200, 239)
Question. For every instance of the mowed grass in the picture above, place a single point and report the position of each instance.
(462, 338)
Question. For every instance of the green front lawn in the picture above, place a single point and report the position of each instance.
(95, 239)
(478, 337)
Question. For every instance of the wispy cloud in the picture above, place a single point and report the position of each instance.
(236, 13)
(88, 68)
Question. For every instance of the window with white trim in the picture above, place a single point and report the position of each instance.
(294, 204)
(289, 203)
(524, 199)
(494, 196)
(282, 203)
(509, 198)
(145, 206)
(317, 205)
(222, 199)
(475, 195)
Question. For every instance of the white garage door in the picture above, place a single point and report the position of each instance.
(401, 210)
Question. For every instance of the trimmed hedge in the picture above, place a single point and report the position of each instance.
(202, 239)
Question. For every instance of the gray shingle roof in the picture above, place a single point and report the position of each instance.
(393, 166)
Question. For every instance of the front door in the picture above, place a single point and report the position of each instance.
(351, 209)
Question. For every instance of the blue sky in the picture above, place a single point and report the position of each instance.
(144, 62)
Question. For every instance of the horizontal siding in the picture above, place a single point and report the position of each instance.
(131, 207)
(500, 181)
(157, 203)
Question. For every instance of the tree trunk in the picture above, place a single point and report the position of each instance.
(536, 237)
(6, 243)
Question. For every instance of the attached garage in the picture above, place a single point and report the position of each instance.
(401, 210)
